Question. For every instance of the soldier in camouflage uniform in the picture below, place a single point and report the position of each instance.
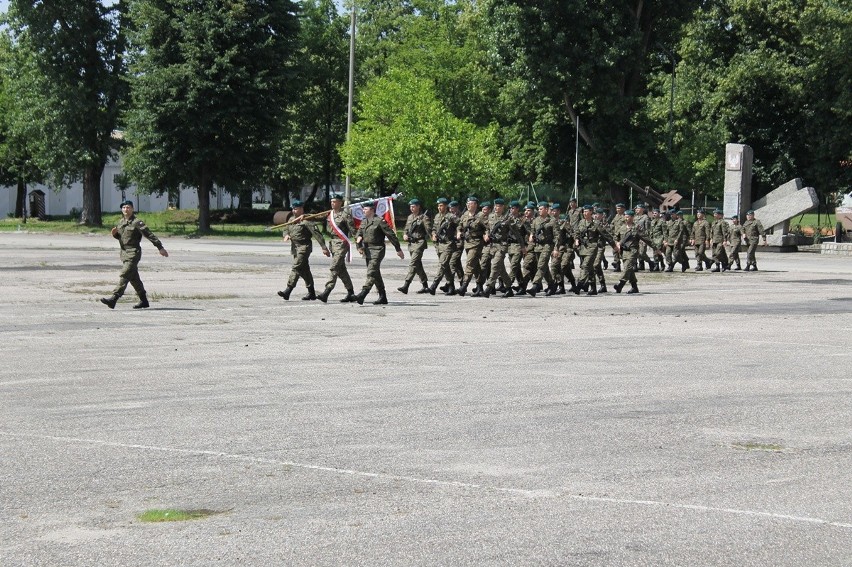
(700, 240)
(299, 234)
(587, 238)
(558, 250)
(339, 249)
(129, 233)
(676, 244)
(444, 227)
(541, 243)
(417, 230)
(719, 234)
(518, 236)
(573, 216)
(471, 232)
(563, 252)
(643, 223)
(370, 240)
(485, 211)
(456, 260)
(601, 216)
(528, 264)
(735, 240)
(627, 237)
(752, 231)
(497, 239)
(613, 225)
(658, 232)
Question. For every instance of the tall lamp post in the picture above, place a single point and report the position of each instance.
(348, 192)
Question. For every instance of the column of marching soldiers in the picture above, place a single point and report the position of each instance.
(520, 249)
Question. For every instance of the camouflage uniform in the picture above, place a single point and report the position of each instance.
(444, 227)
(370, 240)
(417, 230)
(628, 238)
(499, 231)
(339, 250)
(301, 234)
(700, 238)
(542, 239)
(752, 231)
(589, 235)
(735, 239)
(719, 234)
(471, 230)
(676, 244)
(658, 232)
(129, 233)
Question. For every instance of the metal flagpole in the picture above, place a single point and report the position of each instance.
(348, 193)
(576, 158)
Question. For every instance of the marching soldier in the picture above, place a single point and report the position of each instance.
(129, 233)
(497, 239)
(676, 244)
(600, 217)
(574, 215)
(658, 233)
(614, 224)
(299, 234)
(643, 223)
(628, 236)
(370, 240)
(719, 234)
(444, 227)
(528, 265)
(701, 240)
(343, 225)
(518, 235)
(589, 234)
(735, 240)
(565, 249)
(417, 230)
(471, 232)
(753, 231)
(485, 211)
(456, 262)
(541, 243)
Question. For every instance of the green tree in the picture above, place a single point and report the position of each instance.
(315, 124)
(774, 75)
(405, 139)
(210, 83)
(591, 59)
(77, 93)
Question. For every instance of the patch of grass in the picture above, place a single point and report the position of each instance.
(755, 446)
(174, 515)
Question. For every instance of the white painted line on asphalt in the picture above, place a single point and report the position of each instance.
(438, 482)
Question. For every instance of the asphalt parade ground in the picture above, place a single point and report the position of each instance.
(704, 421)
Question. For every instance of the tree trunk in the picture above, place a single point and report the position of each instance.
(205, 186)
(91, 215)
(21, 200)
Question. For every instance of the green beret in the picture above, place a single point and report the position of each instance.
(499, 201)
(599, 211)
(718, 212)
(641, 206)
(619, 205)
(544, 204)
(337, 197)
(454, 203)
(473, 198)
(296, 203)
(750, 212)
(515, 203)
(629, 213)
(127, 202)
(588, 208)
(572, 200)
(442, 200)
(556, 206)
(368, 205)
(530, 206)
(414, 202)
(485, 204)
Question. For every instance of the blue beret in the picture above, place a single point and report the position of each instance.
(296, 203)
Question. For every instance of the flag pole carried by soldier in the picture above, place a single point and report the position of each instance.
(129, 233)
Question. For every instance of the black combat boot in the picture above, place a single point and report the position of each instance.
(684, 266)
(350, 296)
(477, 291)
(324, 295)
(592, 290)
(617, 287)
(383, 298)
(109, 301)
(361, 295)
(534, 289)
(633, 289)
(311, 294)
(551, 290)
(286, 293)
(708, 263)
(602, 289)
(699, 267)
(717, 268)
(463, 289)
(433, 288)
(451, 289)
(143, 302)
(509, 293)
(404, 288)
(616, 266)
(424, 287)
(641, 266)
(500, 287)
(748, 267)
(725, 266)
(653, 267)
(560, 289)
(738, 268)
(670, 268)
(445, 287)
(754, 267)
